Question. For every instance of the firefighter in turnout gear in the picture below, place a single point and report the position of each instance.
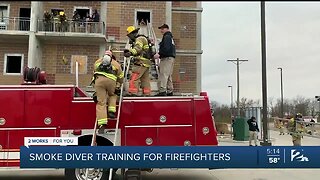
(296, 129)
(281, 127)
(107, 72)
(141, 62)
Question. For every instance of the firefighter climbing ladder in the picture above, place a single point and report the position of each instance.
(126, 65)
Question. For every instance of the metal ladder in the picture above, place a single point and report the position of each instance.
(148, 31)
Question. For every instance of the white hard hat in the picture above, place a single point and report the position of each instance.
(106, 59)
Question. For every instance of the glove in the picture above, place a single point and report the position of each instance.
(117, 91)
(133, 60)
(127, 53)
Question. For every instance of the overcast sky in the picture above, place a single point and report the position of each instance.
(231, 30)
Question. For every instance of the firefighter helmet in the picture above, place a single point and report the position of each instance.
(106, 60)
(132, 29)
(61, 13)
(298, 115)
(43, 77)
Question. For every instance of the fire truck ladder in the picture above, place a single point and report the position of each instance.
(153, 37)
(126, 66)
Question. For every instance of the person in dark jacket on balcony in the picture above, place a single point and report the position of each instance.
(75, 20)
(48, 20)
(95, 19)
(95, 16)
(167, 54)
(253, 129)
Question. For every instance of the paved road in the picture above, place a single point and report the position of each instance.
(198, 174)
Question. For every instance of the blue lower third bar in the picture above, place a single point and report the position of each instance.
(169, 157)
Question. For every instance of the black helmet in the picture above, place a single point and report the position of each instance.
(298, 115)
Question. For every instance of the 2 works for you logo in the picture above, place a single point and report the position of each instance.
(297, 155)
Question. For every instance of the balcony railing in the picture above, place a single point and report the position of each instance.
(71, 26)
(15, 24)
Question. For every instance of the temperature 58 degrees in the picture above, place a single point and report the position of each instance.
(274, 160)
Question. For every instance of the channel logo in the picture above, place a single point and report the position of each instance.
(298, 156)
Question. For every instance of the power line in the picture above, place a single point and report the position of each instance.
(238, 90)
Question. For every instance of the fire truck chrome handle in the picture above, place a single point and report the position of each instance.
(47, 121)
(2, 121)
(163, 118)
(149, 141)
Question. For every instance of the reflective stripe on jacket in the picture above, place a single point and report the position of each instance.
(140, 49)
(118, 76)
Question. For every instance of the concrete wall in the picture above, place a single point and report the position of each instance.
(186, 29)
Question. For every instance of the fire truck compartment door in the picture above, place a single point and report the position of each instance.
(176, 136)
(16, 137)
(49, 108)
(12, 138)
(140, 136)
(158, 112)
(12, 108)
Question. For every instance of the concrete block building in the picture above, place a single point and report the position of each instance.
(26, 39)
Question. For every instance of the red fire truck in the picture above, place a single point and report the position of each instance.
(67, 111)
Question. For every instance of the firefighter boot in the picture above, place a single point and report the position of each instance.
(161, 94)
(170, 94)
(111, 115)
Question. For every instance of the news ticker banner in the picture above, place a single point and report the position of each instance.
(169, 157)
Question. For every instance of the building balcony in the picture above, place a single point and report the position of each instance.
(14, 24)
(14, 28)
(71, 30)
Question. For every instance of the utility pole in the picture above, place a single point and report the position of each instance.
(231, 97)
(318, 99)
(238, 90)
(264, 77)
(281, 92)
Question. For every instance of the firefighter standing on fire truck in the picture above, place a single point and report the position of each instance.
(107, 72)
(141, 63)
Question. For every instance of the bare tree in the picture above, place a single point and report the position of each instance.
(301, 105)
(222, 113)
(271, 108)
